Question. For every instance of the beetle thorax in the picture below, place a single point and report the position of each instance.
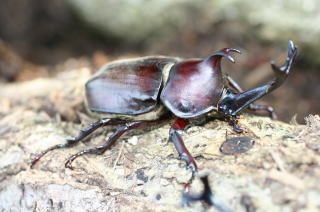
(194, 87)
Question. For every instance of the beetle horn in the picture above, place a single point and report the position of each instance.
(224, 53)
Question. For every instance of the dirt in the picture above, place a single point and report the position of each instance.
(142, 171)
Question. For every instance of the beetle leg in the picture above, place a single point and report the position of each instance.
(234, 123)
(233, 84)
(269, 109)
(175, 136)
(207, 196)
(82, 134)
(232, 103)
(111, 140)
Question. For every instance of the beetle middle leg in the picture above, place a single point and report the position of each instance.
(175, 136)
(233, 84)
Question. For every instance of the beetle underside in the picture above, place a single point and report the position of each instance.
(130, 92)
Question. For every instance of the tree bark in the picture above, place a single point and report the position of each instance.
(142, 171)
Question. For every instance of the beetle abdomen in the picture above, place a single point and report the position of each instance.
(126, 87)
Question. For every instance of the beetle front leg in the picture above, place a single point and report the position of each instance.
(269, 109)
(233, 84)
(82, 134)
(175, 136)
(233, 121)
(232, 103)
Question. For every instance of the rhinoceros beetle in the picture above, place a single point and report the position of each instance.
(137, 93)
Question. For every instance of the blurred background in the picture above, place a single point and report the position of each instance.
(43, 38)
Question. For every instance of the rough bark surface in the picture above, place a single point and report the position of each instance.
(142, 171)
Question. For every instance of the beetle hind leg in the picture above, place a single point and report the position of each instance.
(82, 134)
(111, 140)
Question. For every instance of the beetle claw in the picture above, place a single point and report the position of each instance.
(69, 161)
(192, 167)
(285, 69)
(68, 165)
(292, 49)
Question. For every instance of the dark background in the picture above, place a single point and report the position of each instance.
(36, 37)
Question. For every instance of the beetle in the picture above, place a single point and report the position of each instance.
(137, 93)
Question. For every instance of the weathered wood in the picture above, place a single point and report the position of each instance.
(142, 172)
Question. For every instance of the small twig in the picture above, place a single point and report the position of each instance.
(277, 159)
(119, 155)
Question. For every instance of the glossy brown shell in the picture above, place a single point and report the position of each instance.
(127, 87)
(195, 87)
